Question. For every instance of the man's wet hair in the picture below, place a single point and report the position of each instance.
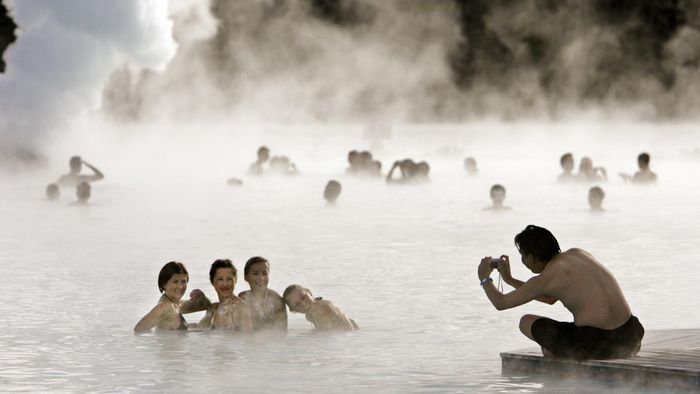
(52, 191)
(167, 272)
(290, 289)
(497, 187)
(566, 157)
(644, 158)
(598, 191)
(219, 264)
(253, 260)
(537, 241)
(75, 162)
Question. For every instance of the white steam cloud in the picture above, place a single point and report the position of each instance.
(66, 51)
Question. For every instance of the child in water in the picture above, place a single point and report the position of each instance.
(230, 312)
(321, 313)
(167, 314)
(267, 306)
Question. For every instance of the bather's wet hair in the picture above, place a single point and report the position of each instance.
(537, 241)
(566, 157)
(291, 288)
(168, 271)
(219, 264)
(254, 260)
(643, 158)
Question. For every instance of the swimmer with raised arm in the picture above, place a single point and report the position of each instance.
(588, 173)
(603, 327)
(321, 313)
(167, 314)
(231, 312)
(645, 175)
(269, 312)
(74, 178)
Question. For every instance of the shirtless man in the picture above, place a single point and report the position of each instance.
(73, 178)
(645, 174)
(498, 196)
(321, 313)
(603, 326)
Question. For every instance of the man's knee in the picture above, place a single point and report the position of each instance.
(526, 325)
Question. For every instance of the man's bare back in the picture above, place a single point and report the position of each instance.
(587, 289)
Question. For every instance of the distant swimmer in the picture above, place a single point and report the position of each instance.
(410, 172)
(470, 166)
(231, 312)
(257, 167)
(83, 192)
(323, 314)
(498, 196)
(644, 175)
(588, 173)
(603, 326)
(595, 199)
(362, 163)
(167, 314)
(567, 165)
(269, 312)
(53, 192)
(73, 178)
(281, 165)
(332, 191)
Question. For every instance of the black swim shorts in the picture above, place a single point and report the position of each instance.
(582, 343)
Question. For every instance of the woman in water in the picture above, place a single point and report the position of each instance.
(230, 312)
(167, 314)
(321, 313)
(267, 306)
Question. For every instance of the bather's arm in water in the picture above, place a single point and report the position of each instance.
(164, 316)
(504, 270)
(280, 318)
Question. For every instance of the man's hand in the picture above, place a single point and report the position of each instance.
(504, 267)
(484, 270)
(198, 298)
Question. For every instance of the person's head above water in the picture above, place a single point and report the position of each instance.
(643, 161)
(52, 191)
(76, 164)
(537, 246)
(567, 162)
(422, 169)
(298, 298)
(256, 272)
(168, 271)
(83, 192)
(470, 166)
(263, 154)
(223, 276)
(332, 191)
(498, 194)
(586, 164)
(595, 198)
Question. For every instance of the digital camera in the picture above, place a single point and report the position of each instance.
(494, 262)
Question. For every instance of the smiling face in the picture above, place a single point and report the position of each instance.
(299, 300)
(176, 286)
(224, 282)
(258, 276)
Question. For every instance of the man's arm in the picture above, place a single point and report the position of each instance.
(91, 178)
(504, 270)
(527, 292)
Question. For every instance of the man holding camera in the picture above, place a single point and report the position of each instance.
(603, 326)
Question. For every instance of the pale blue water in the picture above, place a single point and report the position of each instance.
(400, 260)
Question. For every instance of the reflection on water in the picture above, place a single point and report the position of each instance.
(400, 260)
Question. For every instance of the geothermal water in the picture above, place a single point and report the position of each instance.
(401, 260)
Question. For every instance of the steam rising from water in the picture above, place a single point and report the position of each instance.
(358, 60)
(65, 52)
